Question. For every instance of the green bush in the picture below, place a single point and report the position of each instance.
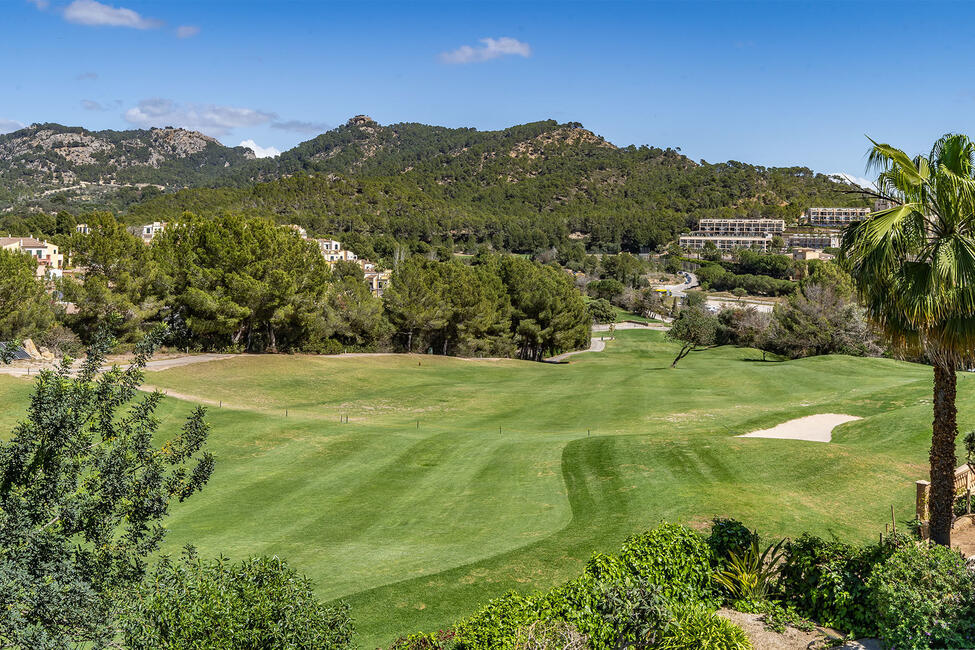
(494, 626)
(549, 635)
(729, 536)
(698, 628)
(442, 640)
(924, 597)
(670, 563)
(601, 311)
(671, 555)
(255, 604)
(826, 580)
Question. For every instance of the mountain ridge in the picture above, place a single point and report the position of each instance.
(521, 188)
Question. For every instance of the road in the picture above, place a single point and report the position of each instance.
(679, 290)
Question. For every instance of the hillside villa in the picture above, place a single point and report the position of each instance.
(50, 261)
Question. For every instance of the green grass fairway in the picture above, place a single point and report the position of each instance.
(500, 486)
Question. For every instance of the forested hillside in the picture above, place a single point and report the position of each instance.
(524, 188)
(51, 167)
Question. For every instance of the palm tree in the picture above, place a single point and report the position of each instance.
(913, 265)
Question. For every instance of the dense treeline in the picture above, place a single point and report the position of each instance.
(245, 284)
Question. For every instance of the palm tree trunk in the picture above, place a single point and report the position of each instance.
(944, 432)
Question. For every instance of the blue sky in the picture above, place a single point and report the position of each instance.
(773, 83)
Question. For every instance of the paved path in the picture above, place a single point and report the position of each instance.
(599, 344)
(21, 370)
(595, 345)
(659, 327)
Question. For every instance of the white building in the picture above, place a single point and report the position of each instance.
(333, 251)
(150, 230)
(697, 241)
(741, 226)
(816, 240)
(835, 217)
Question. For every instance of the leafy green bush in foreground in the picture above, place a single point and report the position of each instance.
(251, 605)
(637, 597)
(924, 597)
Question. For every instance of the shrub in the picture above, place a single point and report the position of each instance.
(670, 563)
(697, 628)
(672, 556)
(255, 604)
(635, 613)
(601, 311)
(607, 289)
(729, 536)
(826, 580)
(493, 627)
(750, 575)
(442, 640)
(924, 597)
(549, 635)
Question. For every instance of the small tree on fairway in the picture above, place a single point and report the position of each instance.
(82, 493)
(693, 328)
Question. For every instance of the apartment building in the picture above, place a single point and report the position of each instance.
(333, 251)
(50, 261)
(835, 217)
(741, 226)
(816, 240)
(697, 241)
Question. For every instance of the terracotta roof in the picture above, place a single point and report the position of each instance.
(25, 242)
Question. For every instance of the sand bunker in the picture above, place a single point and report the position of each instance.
(815, 428)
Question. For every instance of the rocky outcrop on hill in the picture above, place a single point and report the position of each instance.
(38, 162)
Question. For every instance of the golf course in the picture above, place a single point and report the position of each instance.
(415, 487)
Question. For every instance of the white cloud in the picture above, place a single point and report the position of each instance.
(491, 48)
(87, 76)
(186, 31)
(92, 105)
(208, 118)
(259, 151)
(859, 181)
(300, 126)
(6, 126)
(40, 4)
(92, 13)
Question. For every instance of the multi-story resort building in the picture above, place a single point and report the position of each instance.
(835, 217)
(741, 226)
(816, 240)
(697, 241)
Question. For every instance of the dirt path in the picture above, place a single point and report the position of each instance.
(763, 638)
